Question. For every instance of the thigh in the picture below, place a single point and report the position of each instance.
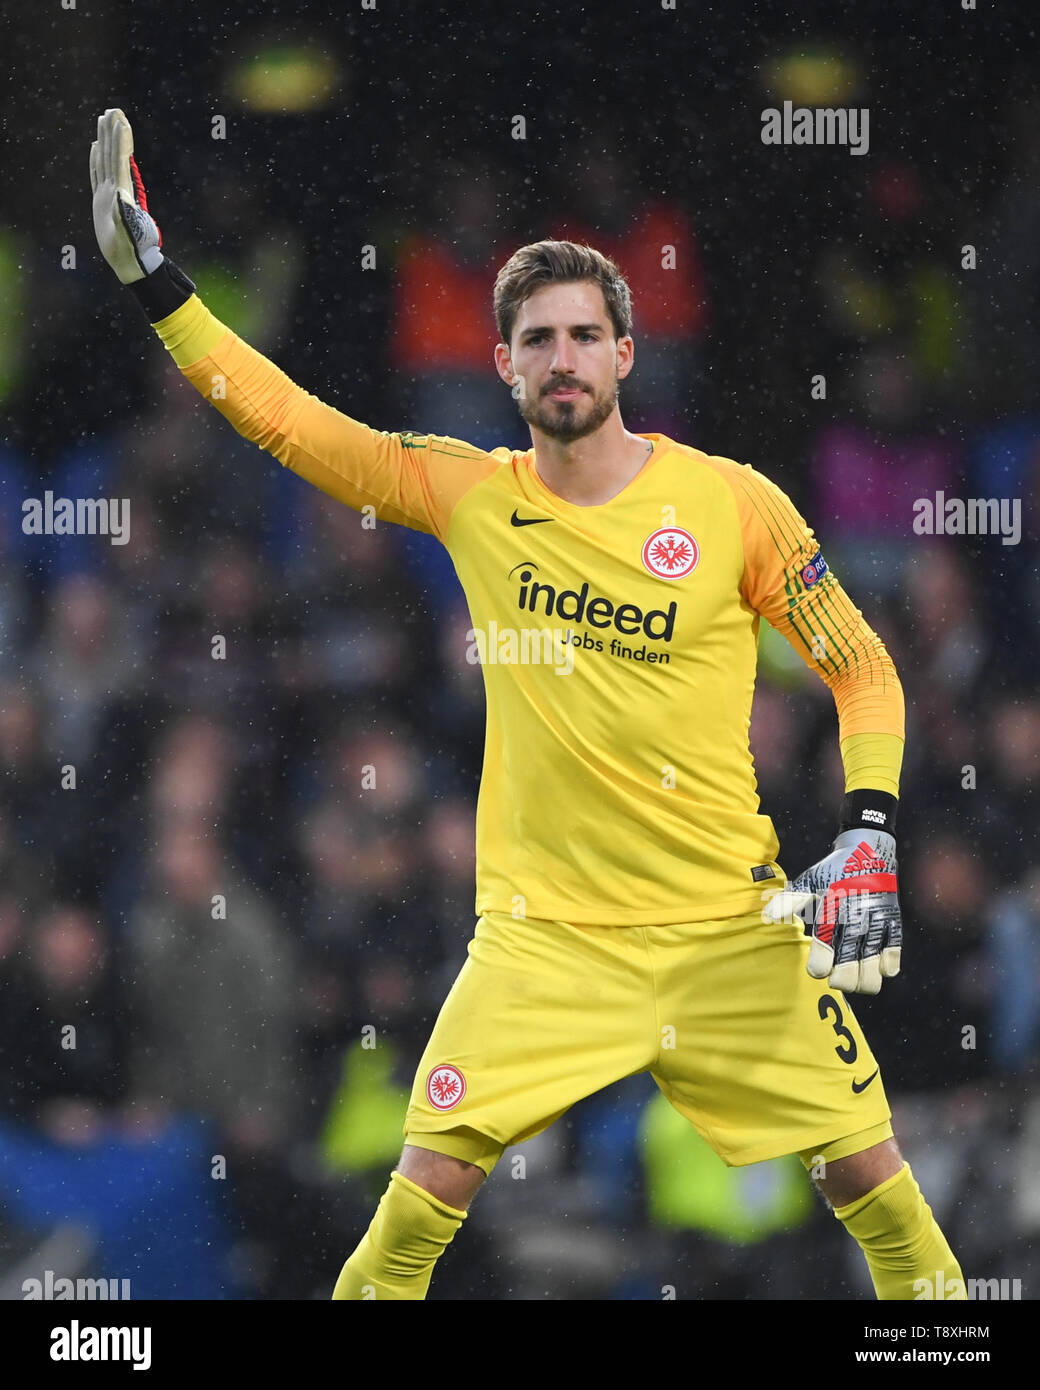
(767, 1061)
(541, 1015)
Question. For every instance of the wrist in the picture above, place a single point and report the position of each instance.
(864, 809)
(163, 291)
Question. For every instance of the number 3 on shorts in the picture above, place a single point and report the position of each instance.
(828, 1003)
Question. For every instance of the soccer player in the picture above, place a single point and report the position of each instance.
(632, 915)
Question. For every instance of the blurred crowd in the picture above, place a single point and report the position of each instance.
(223, 940)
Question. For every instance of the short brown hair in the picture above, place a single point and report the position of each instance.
(559, 262)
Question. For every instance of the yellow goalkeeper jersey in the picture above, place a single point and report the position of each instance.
(618, 644)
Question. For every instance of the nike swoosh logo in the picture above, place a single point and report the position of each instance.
(858, 1086)
(529, 521)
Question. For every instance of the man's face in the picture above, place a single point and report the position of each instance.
(565, 362)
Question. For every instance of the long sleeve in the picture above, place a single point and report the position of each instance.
(788, 582)
(413, 480)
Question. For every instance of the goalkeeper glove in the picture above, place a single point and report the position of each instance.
(851, 900)
(127, 233)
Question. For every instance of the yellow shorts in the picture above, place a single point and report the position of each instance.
(762, 1059)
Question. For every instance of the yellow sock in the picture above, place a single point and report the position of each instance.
(395, 1259)
(902, 1242)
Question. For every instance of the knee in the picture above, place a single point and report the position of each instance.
(450, 1180)
(847, 1179)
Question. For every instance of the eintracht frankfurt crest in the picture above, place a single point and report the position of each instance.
(670, 553)
(445, 1087)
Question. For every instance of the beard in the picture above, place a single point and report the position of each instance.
(566, 421)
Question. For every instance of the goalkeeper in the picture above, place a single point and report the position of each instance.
(632, 915)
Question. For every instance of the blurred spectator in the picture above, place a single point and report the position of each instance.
(190, 779)
(450, 851)
(1006, 776)
(362, 1133)
(442, 341)
(1013, 959)
(1006, 285)
(29, 776)
(653, 241)
(65, 1022)
(892, 284)
(86, 658)
(708, 1213)
(868, 470)
(444, 335)
(215, 996)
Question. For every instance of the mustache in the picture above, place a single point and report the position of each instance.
(564, 386)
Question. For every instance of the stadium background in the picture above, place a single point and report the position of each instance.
(392, 129)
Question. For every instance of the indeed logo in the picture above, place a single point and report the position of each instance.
(575, 606)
